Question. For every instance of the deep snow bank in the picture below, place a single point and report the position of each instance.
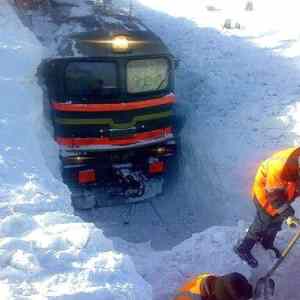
(45, 252)
(211, 251)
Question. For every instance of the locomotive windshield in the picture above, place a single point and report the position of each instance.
(147, 75)
(85, 79)
(95, 80)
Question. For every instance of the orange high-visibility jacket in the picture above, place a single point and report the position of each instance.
(279, 173)
(197, 288)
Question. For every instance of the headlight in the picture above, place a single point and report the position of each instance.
(73, 160)
(160, 150)
(163, 151)
(120, 44)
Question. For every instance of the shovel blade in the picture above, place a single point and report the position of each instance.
(264, 289)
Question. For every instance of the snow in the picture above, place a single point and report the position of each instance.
(45, 251)
(239, 91)
(82, 10)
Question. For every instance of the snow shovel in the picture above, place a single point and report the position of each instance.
(265, 286)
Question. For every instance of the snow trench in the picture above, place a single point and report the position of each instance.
(48, 253)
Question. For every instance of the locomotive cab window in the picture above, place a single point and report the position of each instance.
(147, 75)
(85, 79)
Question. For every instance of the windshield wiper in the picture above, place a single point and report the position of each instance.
(161, 83)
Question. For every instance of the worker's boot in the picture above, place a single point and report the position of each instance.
(268, 243)
(243, 250)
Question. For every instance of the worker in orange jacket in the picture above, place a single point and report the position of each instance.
(233, 286)
(276, 185)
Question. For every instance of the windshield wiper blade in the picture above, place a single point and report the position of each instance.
(161, 83)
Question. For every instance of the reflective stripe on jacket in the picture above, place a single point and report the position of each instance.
(277, 175)
(196, 288)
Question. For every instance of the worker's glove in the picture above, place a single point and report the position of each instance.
(292, 222)
(285, 212)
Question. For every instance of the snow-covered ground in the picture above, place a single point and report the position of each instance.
(45, 251)
(239, 91)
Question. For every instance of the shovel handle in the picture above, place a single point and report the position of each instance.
(285, 253)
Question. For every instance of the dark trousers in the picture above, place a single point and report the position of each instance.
(264, 227)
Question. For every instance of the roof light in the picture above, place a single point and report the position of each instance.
(120, 44)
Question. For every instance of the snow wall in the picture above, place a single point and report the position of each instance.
(45, 252)
(239, 87)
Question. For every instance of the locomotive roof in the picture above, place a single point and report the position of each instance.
(94, 43)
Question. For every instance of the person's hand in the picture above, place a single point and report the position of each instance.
(292, 222)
